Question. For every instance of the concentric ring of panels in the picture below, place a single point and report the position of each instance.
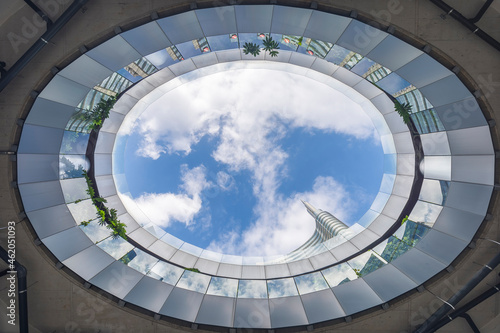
(458, 169)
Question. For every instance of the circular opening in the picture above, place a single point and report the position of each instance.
(224, 160)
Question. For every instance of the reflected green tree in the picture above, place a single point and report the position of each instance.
(251, 48)
(271, 46)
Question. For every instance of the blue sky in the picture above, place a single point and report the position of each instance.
(223, 160)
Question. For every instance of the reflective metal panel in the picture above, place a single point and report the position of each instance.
(441, 246)
(228, 55)
(149, 294)
(388, 282)
(74, 189)
(40, 140)
(253, 18)
(360, 37)
(83, 211)
(321, 260)
(194, 281)
(393, 53)
(402, 185)
(281, 288)
(435, 143)
(300, 266)
(37, 168)
(64, 91)
(117, 279)
(414, 73)
(471, 141)
(321, 306)
(301, 60)
(252, 289)
(207, 266)
(183, 304)
(458, 223)
(115, 247)
(115, 54)
(478, 169)
(168, 273)
(105, 184)
(216, 310)
(126, 102)
(223, 287)
(383, 103)
(142, 262)
(88, 262)
(367, 89)
(462, 114)
(163, 249)
(345, 76)
(326, 27)
(356, 296)
(205, 60)
(437, 167)
(49, 113)
(51, 220)
(287, 311)
(418, 265)
(364, 238)
(142, 237)
(85, 71)
(424, 212)
(276, 271)
(217, 21)
(102, 164)
(41, 195)
(309, 283)
(434, 191)
(253, 272)
(469, 197)
(344, 250)
(252, 313)
(289, 20)
(67, 243)
(324, 67)
(155, 40)
(112, 124)
(381, 224)
(404, 143)
(184, 259)
(182, 27)
(395, 122)
(445, 91)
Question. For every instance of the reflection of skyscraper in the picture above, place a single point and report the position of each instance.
(423, 115)
(201, 44)
(318, 48)
(351, 59)
(174, 53)
(376, 73)
(327, 226)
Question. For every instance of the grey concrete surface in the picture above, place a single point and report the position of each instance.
(58, 303)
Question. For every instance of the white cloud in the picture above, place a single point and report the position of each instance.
(248, 112)
(283, 224)
(163, 208)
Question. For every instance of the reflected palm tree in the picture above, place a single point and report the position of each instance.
(271, 46)
(251, 48)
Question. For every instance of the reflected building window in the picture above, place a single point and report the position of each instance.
(376, 73)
